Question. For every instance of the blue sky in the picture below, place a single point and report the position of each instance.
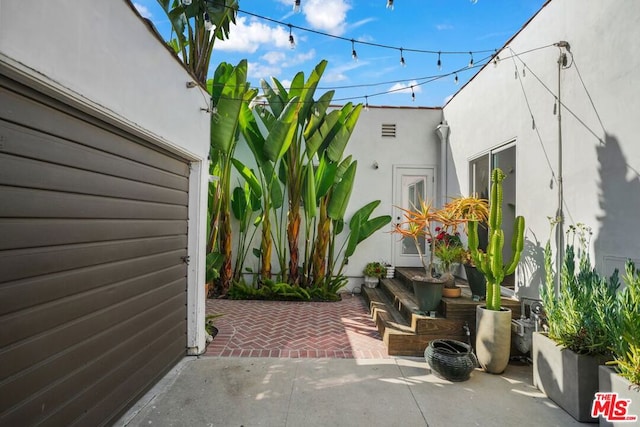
(377, 76)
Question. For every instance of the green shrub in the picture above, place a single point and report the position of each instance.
(625, 328)
(577, 316)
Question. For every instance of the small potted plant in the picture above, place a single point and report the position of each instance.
(373, 272)
(449, 250)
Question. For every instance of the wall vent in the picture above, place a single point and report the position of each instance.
(388, 130)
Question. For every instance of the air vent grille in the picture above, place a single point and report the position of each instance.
(388, 130)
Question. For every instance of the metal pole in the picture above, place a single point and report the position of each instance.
(562, 60)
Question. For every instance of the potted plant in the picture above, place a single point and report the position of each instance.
(373, 272)
(449, 250)
(623, 328)
(421, 223)
(576, 342)
(417, 224)
(493, 323)
(467, 209)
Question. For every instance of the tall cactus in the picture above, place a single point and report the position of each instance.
(490, 263)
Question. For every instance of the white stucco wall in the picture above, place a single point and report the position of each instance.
(101, 56)
(415, 144)
(601, 156)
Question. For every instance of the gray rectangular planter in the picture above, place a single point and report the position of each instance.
(567, 378)
(610, 381)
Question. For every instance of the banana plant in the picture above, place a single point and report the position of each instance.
(268, 152)
(192, 25)
(245, 202)
(229, 92)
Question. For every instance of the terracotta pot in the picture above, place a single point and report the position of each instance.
(454, 292)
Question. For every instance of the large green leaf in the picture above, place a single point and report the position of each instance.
(342, 131)
(309, 192)
(354, 226)
(342, 168)
(341, 194)
(239, 205)
(318, 114)
(224, 124)
(371, 226)
(252, 134)
(276, 101)
(249, 176)
(282, 133)
(308, 91)
(325, 176)
(320, 137)
(363, 214)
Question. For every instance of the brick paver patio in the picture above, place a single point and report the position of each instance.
(285, 329)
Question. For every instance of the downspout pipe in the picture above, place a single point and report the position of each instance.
(442, 130)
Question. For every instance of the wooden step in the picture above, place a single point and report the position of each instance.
(405, 330)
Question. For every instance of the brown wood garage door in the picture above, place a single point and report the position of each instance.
(93, 238)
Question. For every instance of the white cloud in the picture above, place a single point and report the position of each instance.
(273, 57)
(143, 10)
(443, 27)
(405, 87)
(256, 70)
(339, 73)
(249, 35)
(326, 15)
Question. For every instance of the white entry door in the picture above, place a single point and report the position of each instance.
(411, 185)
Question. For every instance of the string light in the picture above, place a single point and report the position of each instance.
(496, 61)
(471, 59)
(524, 74)
(354, 54)
(390, 4)
(296, 6)
(455, 79)
(439, 64)
(402, 58)
(413, 94)
(208, 25)
(555, 107)
(292, 42)
(366, 103)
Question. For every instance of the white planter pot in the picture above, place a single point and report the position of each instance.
(371, 282)
(493, 339)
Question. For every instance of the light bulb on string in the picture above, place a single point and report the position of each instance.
(402, 58)
(524, 74)
(470, 59)
(292, 41)
(208, 25)
(390, 4)
(496, 61)
(413, 94)
(296, 6)
(439, 63)
(555, 107)
(354, 54)
(366, 103)
(455, 79)
(516, 73)
(533, 123)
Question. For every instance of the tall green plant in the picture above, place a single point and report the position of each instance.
(491, 263)
(624, 327)
(578, 313)
(192, 25)
(229, 92)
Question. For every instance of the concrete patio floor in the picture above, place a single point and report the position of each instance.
(277, 363)
(217, 391)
